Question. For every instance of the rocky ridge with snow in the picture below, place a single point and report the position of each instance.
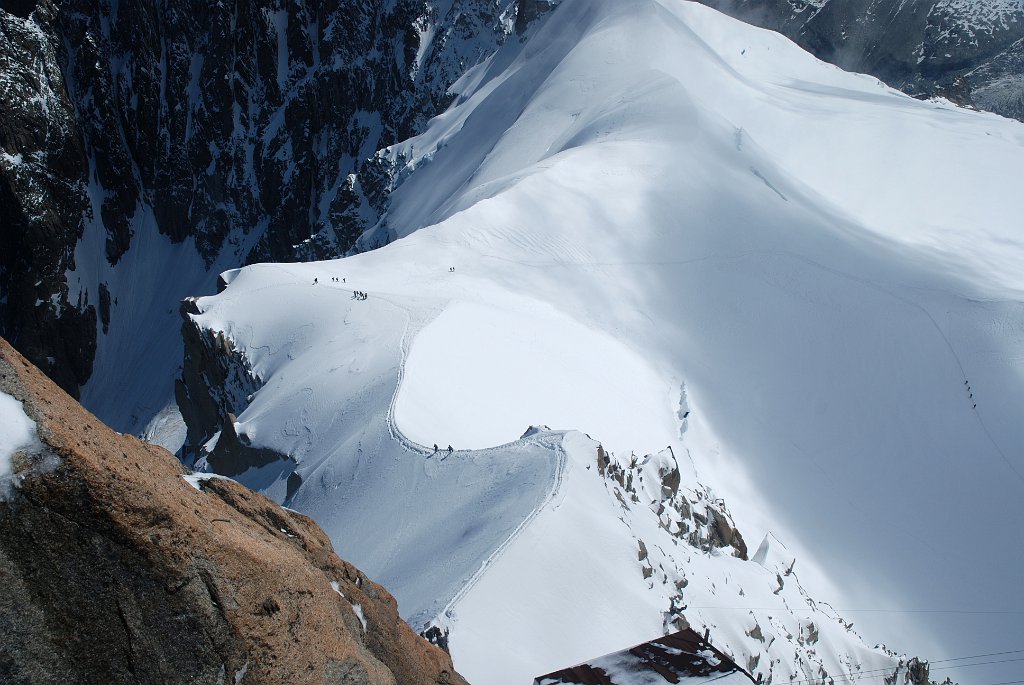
(156, 145)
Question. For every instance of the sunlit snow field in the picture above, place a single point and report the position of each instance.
(651, 210)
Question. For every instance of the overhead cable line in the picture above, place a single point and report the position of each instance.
(977, 656)
(881, 673)
(878, 611)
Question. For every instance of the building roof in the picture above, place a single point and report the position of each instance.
(670, 659)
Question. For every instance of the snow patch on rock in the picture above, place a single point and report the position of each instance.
(17, 431)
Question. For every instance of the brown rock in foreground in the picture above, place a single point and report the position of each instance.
(115, 569)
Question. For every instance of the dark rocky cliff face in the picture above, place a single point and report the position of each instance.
(245, 131)
(43, 203)
(115, 569)
(970, 51)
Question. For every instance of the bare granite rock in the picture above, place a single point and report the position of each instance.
(117, 569)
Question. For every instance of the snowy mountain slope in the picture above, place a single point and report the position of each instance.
(970, 51)
(359, 475)
(145, 147)
(503, 531)
(671, 229)
(611, 561)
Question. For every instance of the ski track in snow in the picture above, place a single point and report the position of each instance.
(396, 433)
(938, 330)
(414, 320)
(553, 493)
(393, 429)
(878, 286)
(817, 265)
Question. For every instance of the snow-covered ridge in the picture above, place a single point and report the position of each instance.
(629, 540)
(667, 230)
(150, 145)
(464, 526)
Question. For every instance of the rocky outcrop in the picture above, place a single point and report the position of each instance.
(969, 52)
(690, 512)
(528, 11)
(216, 382)
(687, 656)
(116, 569)
(690, 522)
(235, 454)
(246, 130)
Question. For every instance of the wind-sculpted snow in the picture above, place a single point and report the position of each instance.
(484, 403)
(646, 189)
(460, 536)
